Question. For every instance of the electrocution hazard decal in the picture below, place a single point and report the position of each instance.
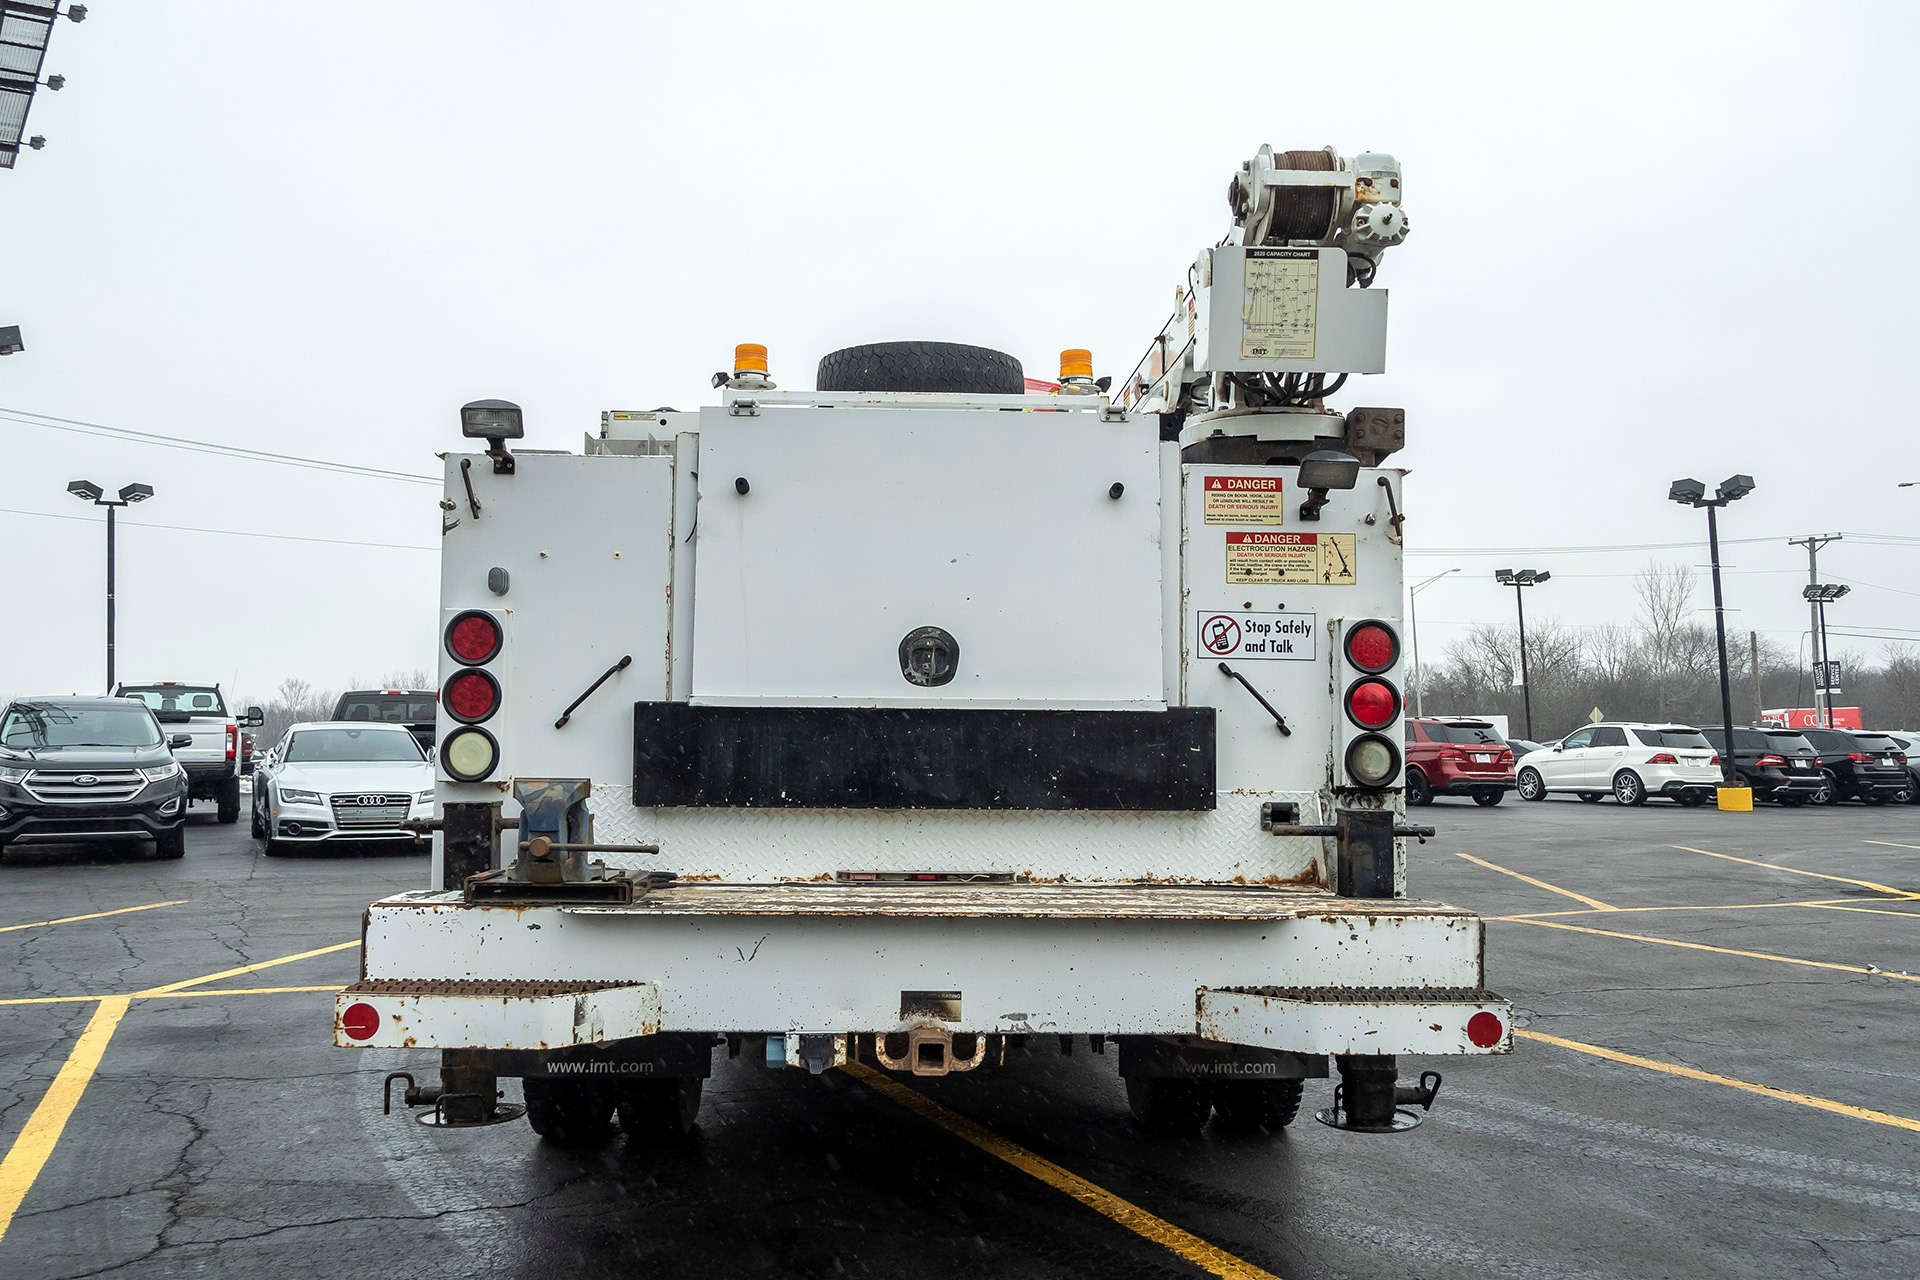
(1324, 559)
(1280, 637)
(1242, 500)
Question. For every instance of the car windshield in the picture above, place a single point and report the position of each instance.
(1466, 733)
(1788, 744)
(311, 746)
(176, 702)
(387, 708)
(1674, 737)
(42, 725)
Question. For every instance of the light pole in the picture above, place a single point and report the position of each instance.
(1818, 594)
(1413, 628)
(88, 491)
(1518, 578)
(1691, 493)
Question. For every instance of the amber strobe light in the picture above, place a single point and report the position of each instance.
(474, 638)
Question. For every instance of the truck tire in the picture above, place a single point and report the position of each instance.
(569, 1112)
(1419, 790)
(658, 1108)
(171, 844)
(1168, 1106)
(1257, 1104)
(921, 366)
(229, 798)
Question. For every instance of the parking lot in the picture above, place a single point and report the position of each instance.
(1714, 1078)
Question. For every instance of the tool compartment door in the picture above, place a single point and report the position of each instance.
(859, 525)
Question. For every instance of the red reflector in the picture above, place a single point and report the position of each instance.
(361, 1020)
(1665, 757)
(471, 696)
(926, 876)
(1373, 703)
(1371, 647)
(474, 638)
(1483, 1029)
(1764, 761)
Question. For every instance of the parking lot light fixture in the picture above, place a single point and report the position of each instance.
(1518, 578)
(1819, 594)
(1691, 493)
(88, 491)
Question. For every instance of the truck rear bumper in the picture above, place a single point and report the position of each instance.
(1222, 962)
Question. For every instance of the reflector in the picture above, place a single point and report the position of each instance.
(469, 754)
(1372, 647)
(1484, 1029)
(1372, 704)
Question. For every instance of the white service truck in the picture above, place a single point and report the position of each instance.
(914, 719)
(216, 759)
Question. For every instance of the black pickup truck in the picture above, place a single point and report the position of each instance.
(77, 770)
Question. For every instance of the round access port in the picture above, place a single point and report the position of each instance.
(929, 656)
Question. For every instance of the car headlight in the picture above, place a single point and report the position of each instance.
(168, 770)
(14, 775)
(294, 795)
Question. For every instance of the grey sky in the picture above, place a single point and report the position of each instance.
(1647, 242)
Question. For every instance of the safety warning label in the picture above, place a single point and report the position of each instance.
(1283, 637)
(1242, 500)
(1325, 559)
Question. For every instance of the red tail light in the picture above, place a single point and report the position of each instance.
(1716, 758)
(1373, 647)
(1372, 704)
(1764, 761)
(1857, 757)
(472, 695)
(233, 740)
(1452, 754)
(474, 638)
(1665, 757)
(1901, 757)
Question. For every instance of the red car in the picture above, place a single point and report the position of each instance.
(1457, 758)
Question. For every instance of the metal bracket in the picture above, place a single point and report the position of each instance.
(1275, 814)
(743, 409)
(466, 478)
(1395, 519)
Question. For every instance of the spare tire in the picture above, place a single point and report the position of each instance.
(921, 366)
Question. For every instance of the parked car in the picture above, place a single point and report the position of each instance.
(1457, 758)
(1909, 742)
(85, 769)
(212, 757)
(416, 709)
(1632, 761)
(340, 781)
(1521, 746)
(1779, 764)
(1868, 767)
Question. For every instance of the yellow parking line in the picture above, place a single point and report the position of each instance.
(245, 991)
(36, 1142)
(1541, 884)
(1208, 1257)
(1730, 906)
(1772, 866)
(97, 915)
(1872, 911)
(1725, 951)
(1892, 844)
(245, 968)
(1764, 1090)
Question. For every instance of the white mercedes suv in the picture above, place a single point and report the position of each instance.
(341, 781)
(1630, 761)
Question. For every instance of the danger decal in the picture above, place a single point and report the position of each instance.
(1254, 500)
(1323, 559)
(1280, 637)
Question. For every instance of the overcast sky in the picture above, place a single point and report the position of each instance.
(1647, 242)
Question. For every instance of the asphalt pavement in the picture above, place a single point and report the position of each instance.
(1711, 1081)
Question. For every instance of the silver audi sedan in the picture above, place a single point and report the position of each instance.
(345, 780)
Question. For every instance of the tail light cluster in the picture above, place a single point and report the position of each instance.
(233, 741)
(1372, 704)
(471, 696)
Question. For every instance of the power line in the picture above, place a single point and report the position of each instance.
(28, 418)
(231, 533)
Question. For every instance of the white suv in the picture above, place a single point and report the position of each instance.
(1632, 761)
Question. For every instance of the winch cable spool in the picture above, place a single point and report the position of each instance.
(1303, 213)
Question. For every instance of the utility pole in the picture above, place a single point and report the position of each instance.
(1813, 543)
(1753, 642)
